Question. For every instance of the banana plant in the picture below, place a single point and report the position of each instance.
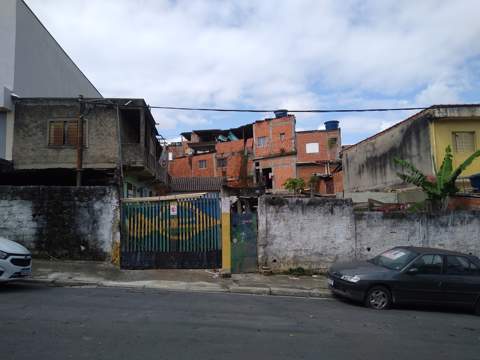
(445, 177)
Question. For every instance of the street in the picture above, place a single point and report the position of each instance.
(41, 322)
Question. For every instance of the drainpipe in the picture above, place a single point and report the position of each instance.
(120, 156)
(80, 140)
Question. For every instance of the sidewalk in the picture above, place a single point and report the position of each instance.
(78, 273)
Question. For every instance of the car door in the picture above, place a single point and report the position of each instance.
(461, 284)
(421, 282)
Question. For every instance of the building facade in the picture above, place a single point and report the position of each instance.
(32, 64)
(121, 150)
(263, 155)
(420, 139)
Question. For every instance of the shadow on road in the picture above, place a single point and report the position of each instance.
(412, 307)
(19, 286)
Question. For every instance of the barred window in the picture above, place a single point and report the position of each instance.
(261, 141)
(202, 164)
(65, 133)
(464, 141)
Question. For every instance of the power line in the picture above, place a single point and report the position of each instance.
(290, 111)
(129, 105)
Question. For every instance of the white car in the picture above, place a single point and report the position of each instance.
(15, 261)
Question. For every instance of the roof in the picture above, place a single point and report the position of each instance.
(410, 118)
(244, 131)
(189, 184)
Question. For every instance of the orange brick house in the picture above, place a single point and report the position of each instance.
(263, 154)
(318, 153)
(274, 153)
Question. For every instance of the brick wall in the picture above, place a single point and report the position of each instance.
(272, 129)
(180, 167)
(210, 169)
(283, 168)
(326, 151)
(238, 168)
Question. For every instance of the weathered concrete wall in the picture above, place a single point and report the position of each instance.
(310, 233)
(31, 150)
(64, 222)
(369, 164)
(313, 233)
(376, 231)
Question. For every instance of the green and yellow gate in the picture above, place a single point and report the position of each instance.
(171, 232)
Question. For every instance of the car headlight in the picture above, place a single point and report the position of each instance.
(350, 278)
(3, 254)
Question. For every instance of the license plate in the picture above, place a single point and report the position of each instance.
(330, 282)
(26, 272)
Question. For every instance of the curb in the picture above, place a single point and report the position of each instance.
(189, 287)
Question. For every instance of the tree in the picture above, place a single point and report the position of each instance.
(294, 184)
(443, 184)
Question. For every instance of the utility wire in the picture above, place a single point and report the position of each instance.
(127, 105)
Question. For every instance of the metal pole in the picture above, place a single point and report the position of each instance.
(80, 140)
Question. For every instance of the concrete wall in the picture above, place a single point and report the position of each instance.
(63, 222)
(31, 150)
(313, 233)
(369, 164)
(310, 233)
(376, 231)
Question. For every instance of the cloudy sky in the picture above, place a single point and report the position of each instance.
(294, 54)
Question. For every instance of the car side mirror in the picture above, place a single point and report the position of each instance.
(412, 271)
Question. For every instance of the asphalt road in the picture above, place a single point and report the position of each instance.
(40, 322)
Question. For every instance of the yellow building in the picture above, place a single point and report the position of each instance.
(369, 166)
(462, 133)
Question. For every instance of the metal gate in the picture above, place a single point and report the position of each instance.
(244, 242)
(172, 232)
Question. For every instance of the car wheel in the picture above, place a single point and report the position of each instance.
(378, 298)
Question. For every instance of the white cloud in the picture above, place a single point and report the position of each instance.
(270, 53)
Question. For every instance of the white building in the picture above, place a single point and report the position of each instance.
(32, 64)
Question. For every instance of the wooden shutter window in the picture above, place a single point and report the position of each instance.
(71, 133)
(55, 133)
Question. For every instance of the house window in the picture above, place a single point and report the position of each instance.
(261, 141)
(282, 136)
(221, 163)
(202, 164)
(464, 141)
(170, 156)
(311, 148)
(64, 133)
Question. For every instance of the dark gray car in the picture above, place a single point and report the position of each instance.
(410, 275)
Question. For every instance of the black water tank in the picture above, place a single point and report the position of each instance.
(331, 125)
(280, 113)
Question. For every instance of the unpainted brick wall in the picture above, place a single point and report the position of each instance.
(63, 222)
(271, 129)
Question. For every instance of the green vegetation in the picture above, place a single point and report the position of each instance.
(443, 184)
(296, 185)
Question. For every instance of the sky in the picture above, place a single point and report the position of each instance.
(274, 54)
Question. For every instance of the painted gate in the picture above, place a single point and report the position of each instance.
(171, 232)
(244, 242)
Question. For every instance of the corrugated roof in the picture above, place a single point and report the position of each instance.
(190, 184)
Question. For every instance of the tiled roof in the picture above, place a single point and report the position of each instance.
(186, 184)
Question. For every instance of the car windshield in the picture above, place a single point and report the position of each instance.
(394, 259)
